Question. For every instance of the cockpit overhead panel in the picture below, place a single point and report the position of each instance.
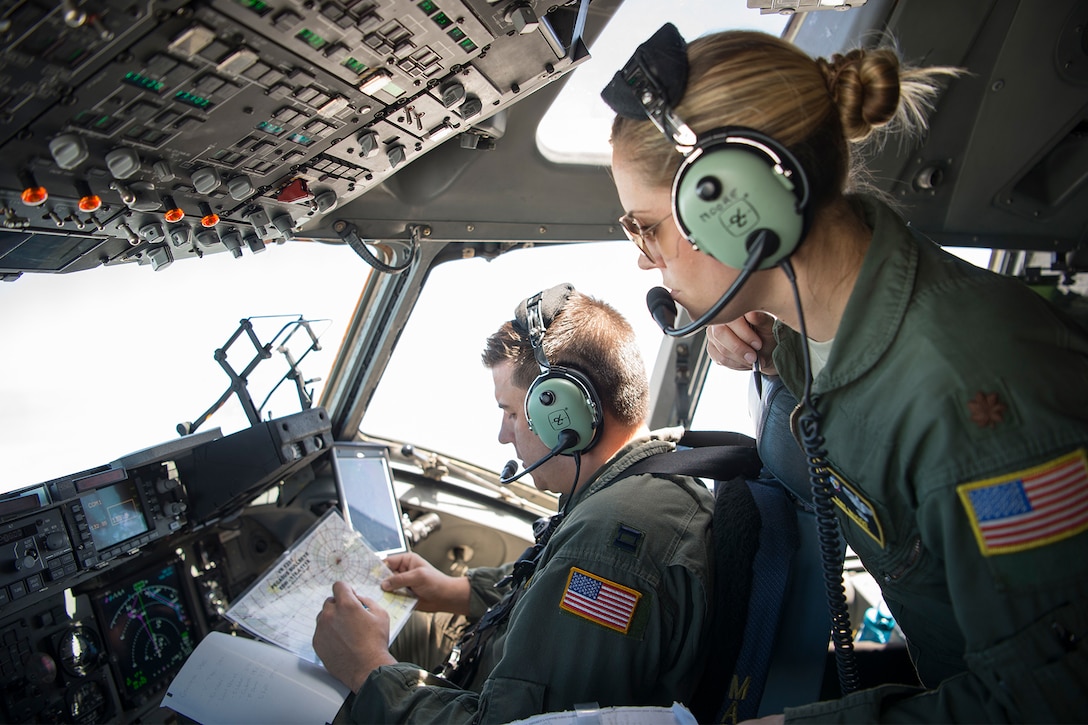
(153, 131)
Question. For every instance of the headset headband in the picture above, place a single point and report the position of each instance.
(533, 315)
(651, 84)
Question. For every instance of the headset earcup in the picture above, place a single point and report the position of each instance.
(563, 399)
(725, 192)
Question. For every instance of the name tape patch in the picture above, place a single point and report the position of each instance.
(856, 507)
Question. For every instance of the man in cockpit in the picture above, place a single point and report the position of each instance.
(612, 606)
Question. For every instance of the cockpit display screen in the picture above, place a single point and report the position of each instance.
(113, 514)
(149, 630)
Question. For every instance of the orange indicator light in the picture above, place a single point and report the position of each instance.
(90, 202)
(34, 195)
(209, 220)
(177, 214)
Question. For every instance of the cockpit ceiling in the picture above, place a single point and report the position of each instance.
(169, 129)
(151, 132)
(1005, 161)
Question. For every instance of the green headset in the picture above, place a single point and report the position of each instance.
(561, 405)
(738, 195)
(736, 187)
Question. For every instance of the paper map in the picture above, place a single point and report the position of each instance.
(281, 607)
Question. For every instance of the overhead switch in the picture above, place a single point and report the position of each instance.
(232, 240)
(396, 155)
(160, 257)
(523, 18)
(152, 232)
(471, 107)
(123, 162)
(285, 225)
(368, 143)
(240, 187)
(206, 180)
(258, 218)
(179, 234)
(255, 243)
(69, 150)
(163, 172)
(325, 201)
(207, 237)
(452, 94)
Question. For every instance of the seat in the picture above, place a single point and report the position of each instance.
(769, 637)
(799, 654)
(771, 631)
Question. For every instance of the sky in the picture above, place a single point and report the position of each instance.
(98, 364)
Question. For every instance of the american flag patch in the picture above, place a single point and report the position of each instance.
(1029, 508)
(599, 600)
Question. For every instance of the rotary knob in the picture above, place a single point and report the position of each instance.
(56, 541)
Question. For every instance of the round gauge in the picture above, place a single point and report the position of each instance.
(78, 650)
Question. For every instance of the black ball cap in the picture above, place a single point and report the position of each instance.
(661, 63)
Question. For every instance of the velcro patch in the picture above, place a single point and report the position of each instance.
(1029, 508)
(856, 507)
(627, 539)
(599, 600)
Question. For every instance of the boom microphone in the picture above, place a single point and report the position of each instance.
(508, 470)
(567, 439)
(663, 308)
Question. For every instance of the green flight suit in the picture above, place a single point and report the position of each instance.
(951, 399)
(645, 544)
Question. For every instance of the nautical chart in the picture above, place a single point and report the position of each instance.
(281, 607)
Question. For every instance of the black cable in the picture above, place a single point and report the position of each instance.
(568, 438)
(663, 308)
(827, 525)
(350, 235)
(577, 472)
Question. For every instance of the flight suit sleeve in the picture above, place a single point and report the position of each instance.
(551, 659)
(404, 693)
(556, 654)
(483, 594)
(1023, 614)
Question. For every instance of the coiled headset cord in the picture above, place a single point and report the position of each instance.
(827, 525)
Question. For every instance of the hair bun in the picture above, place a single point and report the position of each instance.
(865, 87)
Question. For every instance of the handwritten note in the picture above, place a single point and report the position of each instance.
(238, 680)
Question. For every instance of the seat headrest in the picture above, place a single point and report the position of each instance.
(782, 455)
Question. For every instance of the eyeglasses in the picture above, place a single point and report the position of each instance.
(639, 234)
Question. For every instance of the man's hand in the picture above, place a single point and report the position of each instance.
(352, 636)
(739, 343)
(437, 592)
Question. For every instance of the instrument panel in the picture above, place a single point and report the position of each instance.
(147, 131)
(109, 578)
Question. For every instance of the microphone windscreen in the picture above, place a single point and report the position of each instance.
(508, 471)
(661, 306)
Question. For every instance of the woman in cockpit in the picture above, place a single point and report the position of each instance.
(960, 481)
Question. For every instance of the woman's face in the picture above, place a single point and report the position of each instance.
(695, 280)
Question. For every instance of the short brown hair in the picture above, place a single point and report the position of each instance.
(591, 337)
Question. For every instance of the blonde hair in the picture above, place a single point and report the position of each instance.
(819, 109)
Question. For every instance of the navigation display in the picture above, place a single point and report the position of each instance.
(149, 630)
(113, 514)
